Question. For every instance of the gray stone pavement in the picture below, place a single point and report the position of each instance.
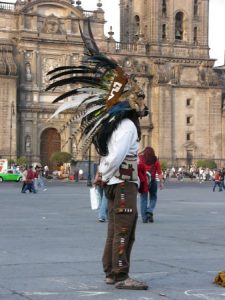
(51, 245)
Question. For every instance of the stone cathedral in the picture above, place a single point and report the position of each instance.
(163, 42)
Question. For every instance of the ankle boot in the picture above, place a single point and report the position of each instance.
(150, 218)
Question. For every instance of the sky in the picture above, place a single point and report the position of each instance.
(216, 23)
(216, 30)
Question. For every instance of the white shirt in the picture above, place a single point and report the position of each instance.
(123, 142)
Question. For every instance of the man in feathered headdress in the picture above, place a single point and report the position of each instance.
(109, 107)
(118, 143)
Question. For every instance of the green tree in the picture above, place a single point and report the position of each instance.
(163, 165)
(11, 161)
(206, 163)
(21, 161)
(61, 157)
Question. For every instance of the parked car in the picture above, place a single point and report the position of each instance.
(9, 175)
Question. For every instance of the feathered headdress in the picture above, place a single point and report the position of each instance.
(106, 91)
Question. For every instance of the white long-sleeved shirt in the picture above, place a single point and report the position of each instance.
(123, 142)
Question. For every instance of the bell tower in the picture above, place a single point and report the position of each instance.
(166, 26)
(183, 92)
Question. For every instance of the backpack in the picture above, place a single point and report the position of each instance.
(149, 178)
(149, 175)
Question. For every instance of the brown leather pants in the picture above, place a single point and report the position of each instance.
(122, 209)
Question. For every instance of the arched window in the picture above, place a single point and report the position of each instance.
(188, 136)
(189, 120)
(179, 20)
(195, 37)
(136, 26)
(28, 71)
(164, 8)
(164, 31)
(189, 157)
(145, 33)
(28, 144)
(195, 8)
(137, 20)
(189, 102)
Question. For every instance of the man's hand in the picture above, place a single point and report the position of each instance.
(98, 179)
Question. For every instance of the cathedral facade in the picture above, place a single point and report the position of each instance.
(163, 42)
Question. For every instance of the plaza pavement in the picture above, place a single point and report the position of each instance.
(51, 245)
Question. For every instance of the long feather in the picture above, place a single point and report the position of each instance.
(66, 68)
(74, 72)
(103, 59)
(94, 127)
(93, 109)
(65, 95)
(87, 143)
(88, 80)
(76, 102)
(76, 118)
(80, 115)
(91, 36)
(89, 90)
(89, 42)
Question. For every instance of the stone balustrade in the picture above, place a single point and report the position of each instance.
(7, 6)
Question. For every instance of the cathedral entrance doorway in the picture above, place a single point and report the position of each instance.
(189, 160)
(50, 143)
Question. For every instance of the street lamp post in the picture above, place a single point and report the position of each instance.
(12, 113)
(89, 183)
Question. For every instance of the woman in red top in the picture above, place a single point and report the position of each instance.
(148, 163)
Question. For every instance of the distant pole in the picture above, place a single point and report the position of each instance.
(12, 113)
(89, 183)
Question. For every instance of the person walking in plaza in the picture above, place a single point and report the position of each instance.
(149, 167)
(24, 177)
(217, 181)
(46, 171)
(103, 205)
(223, 178)
(29, 181)
(38, 180)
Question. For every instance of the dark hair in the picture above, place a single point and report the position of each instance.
(101, 139)
(149, 156)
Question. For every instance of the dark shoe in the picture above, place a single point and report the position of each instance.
(131, 284)
(150, 218)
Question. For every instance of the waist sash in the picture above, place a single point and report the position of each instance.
(128, 169)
